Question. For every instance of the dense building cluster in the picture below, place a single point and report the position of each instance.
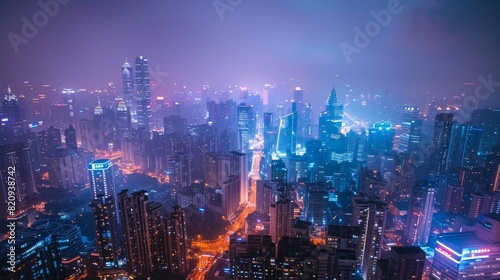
(299, 194)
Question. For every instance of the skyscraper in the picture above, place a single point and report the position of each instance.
(380, 138)
(238, 163)
(128, 87)
(330, 120)
(287, 132)
(143, 90)
(469, 255)
(231, 196)
(104, 210)
(134, 220)
(70, 137)
(443, 126)
(369, 213)
(406, 263)
(410, 130)
(316, 205)
(13, 112)
(281, 219)
(420, 213)
(489, 121)
(15, 166)
(177, 247)
(246, 125)
(123, 120)
(101, 177)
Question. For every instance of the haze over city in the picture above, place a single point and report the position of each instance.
(237, 139)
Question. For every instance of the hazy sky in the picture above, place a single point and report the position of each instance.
(428, 45)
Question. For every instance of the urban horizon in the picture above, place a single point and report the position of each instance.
(241, 139)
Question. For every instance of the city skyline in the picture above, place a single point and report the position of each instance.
(239, 139)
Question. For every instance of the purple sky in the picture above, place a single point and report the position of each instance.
(428, 46)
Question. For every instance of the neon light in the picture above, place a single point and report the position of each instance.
(446, 254)
(449, 248)
(473, 258)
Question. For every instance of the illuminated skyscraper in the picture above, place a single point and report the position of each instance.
(287, 132)
(177, 246)
(406, 263)
(380, 138)
(134, 220)
(281, 219)
(105, 219)
(13, 112)
(443, 126)
(245, 125)
(123, 120)
(469, 255)
(410, 130)
(420, 213)
(143, 90)
(369, 213)
(238, 163)
(15, 166)
(330, 120)
(101, 177)
(128, 87)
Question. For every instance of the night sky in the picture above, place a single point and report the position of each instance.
(428, 46)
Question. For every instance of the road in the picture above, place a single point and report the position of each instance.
(212, 249)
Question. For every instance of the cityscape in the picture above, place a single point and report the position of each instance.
(236, 139)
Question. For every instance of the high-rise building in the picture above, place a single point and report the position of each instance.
(177, 246)
(238, 163)
(380, 138)
(231, 196)
(489, 121)
(105, 218)
(66, 168)
(443, 126)
(492, 169)
(342, 237)
(281, 213)
(420, 213)
(179, 170)
(54, 138)
(102, 178)
(175, 125)
(265, 196)
(143, 90)
(369, 213)
(279, 172)
(35, 257)
(411, 128)
(464, 147)
(123, 120)
(406, 263)
(316, 205)
(13, 112)
(128, 87)
(371, 182)
(330, 120)
(15, 166)
(287, 132)
(70, 138)
(246, 125)
(253, 258)
(469, 255)
(135, 223)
